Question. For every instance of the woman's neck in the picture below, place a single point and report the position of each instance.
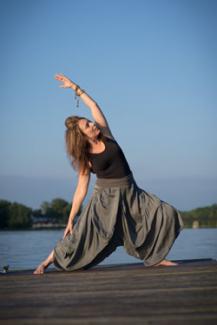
(97, 145)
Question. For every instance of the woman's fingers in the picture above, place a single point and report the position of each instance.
(66, 82)
(65, 233)
(68, 229)
(60, 77)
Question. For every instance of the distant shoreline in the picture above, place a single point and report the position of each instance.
(54, 215)
(59, 227)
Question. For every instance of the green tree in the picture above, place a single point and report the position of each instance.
(20, 216)
(48, 211)
(206, 216)
(57, 210)
(4, 213)
(59, 206)
(36, 213)
(45, 207)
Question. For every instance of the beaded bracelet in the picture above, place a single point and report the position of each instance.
(78, 88)
(82, 91)
(76, 94)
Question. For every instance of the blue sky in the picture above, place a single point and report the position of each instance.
(150, 65)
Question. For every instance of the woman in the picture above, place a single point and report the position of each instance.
(118, 212)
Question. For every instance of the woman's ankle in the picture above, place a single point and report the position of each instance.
(47, 263)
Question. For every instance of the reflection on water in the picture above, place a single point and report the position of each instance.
(26, 249)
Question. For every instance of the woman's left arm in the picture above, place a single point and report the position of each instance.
(96, 111)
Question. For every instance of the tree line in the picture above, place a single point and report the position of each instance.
(14, 215)
(205, 216)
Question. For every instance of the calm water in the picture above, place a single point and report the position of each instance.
(26, 249)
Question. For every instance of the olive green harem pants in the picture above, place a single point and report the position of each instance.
(119, 213)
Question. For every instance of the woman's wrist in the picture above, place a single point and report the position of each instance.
(73, 86)
(71, 218)
(77, 89)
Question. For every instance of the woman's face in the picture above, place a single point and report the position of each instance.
(89, 128)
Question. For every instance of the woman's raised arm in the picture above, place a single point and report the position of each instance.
(96, 111)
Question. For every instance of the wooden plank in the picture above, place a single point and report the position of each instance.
(118, 294)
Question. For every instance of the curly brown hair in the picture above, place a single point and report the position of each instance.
(77, 144)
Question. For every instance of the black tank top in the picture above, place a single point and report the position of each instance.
(111, 163)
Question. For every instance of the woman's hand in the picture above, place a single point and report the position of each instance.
(66, 82)
(68, 229)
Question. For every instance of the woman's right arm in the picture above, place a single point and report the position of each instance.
(78, 197)
(95, 109)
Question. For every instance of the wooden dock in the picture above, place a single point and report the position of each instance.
(118, 294)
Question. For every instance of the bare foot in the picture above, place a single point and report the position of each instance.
(40, 269)
(166, 263)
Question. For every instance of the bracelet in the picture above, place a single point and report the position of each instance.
(76, 91)
(76, 94)
(82, 91)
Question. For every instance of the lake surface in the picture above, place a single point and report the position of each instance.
(26, 249)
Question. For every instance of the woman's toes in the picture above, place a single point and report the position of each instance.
(166, 263)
